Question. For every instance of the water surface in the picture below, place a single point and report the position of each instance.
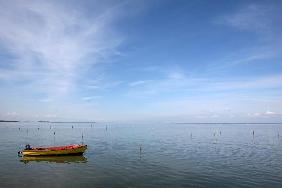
(172, 155)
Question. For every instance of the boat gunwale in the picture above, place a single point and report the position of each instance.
(51, 155)
(79, 150)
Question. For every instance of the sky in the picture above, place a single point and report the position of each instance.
(159, 60)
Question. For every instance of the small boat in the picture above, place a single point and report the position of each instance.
(58, 150)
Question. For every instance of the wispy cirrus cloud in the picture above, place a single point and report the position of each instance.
(178, 82)
(51, 54)
(90, 98)
(138, 83)
(260, 18)
(50, 43)
(267, 113)
(260, 22)
(251, 17)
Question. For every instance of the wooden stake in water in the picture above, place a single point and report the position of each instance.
(54, 138)
(140, 152)
(82, 138)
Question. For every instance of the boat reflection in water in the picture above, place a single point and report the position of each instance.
(55, 159)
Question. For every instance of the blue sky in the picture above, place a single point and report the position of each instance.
(170, 60)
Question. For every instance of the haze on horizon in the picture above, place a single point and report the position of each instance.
(192, 61)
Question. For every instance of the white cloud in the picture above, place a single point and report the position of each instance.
(251, 17)
(267, 113)
(260, 20)
(266, 82)
(90, 98)
(176, 75)
(12, 114)
(139, 82)
(51, 42)
(177, 82)
(101, 85)
(271, 113)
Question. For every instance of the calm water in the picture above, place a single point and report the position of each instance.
(172, 155)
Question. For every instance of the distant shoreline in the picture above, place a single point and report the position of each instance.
(9, 121)
(223, 123)
(67, 121)
(41, 121)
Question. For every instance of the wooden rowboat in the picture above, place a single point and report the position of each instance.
(58, 150)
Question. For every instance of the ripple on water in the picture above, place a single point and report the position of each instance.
(170, 156)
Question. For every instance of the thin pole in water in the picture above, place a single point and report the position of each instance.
(140, 151)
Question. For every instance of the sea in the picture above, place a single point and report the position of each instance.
(151, 155)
